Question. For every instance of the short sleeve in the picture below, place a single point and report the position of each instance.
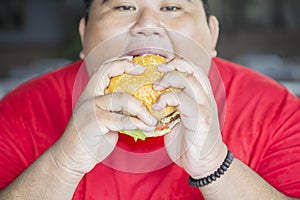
(12, 147)
(32, 118)
(262, 126)
(280, 165)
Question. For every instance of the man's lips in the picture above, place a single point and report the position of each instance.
(139, 52)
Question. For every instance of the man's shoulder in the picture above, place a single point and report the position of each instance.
(248, 89)
(231, 70)
(64, 74)
(55, 79)
(54, 87)
(245, 81)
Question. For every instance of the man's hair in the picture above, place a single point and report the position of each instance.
(88, 4)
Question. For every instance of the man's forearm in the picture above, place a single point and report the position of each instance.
(44, 179)
(240, 182)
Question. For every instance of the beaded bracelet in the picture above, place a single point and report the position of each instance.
(213, 177)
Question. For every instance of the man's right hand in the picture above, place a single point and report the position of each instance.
(91, 134)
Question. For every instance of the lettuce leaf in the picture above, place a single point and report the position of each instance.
(136, 134)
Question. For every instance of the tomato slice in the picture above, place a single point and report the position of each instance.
(160, 127)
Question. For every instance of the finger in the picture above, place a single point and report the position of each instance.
(118, 58)
(118, 122)
(107, 143)
(182, 65)
(120, 101)
(124, 65)
(165, 68)
(170, 79)
(191, 113)
(173, 145)
(184, 104)
(177, 64)
(187, 83)
(101, 77)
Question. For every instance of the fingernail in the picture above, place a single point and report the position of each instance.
(163, 68)
(157, 86)
(139, 69)
(156, 107)
(127, 57)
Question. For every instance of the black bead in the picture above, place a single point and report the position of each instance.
(223, 167)
(205, 182)
(197, 183)
(213, 177)
(217, 174)
(209, 180)
(201, 182)
(221, 171)
(226, 163)
(229, 156)
(191, 181)
(229, 160)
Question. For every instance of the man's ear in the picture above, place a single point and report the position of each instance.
(214, 30)
(81, 29)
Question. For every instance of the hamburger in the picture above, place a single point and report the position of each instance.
(140, 87)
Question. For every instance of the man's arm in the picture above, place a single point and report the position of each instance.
(44, 179)
(240, 182)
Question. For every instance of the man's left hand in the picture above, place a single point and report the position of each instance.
(196, 142)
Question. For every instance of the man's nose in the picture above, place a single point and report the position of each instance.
(148, 23)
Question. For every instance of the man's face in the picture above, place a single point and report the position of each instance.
(134, 27)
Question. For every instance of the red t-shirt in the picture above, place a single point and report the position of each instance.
(261, 128)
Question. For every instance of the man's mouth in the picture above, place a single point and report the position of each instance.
(144, 51)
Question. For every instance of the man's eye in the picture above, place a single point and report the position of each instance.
(125, 8)
(170, 8)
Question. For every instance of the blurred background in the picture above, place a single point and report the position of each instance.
(40, 35)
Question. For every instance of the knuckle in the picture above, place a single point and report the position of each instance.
(113, 122)
(127, 122)
(102, 102)
(140, 106)
(178, 60)
(116, 95)
(85, 104)
(122, 121)
(181, 60)
(125, 62)
(167, 77)
(123, 95)
(119, 96)
(167, 95)
(191, 78)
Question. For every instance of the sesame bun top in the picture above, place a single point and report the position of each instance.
(140, 86)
